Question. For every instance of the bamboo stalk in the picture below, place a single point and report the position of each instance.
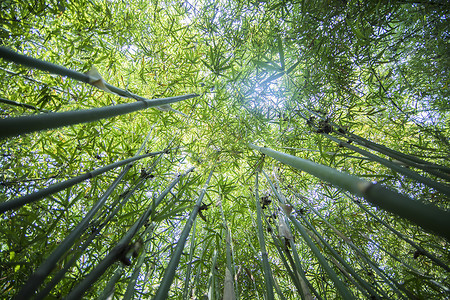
(55, 280)
(47, 266)
(23, 105)
(92, 277)
(360, 283)
(60, 275)
(132, 281)
(212, 291)
(343, 291)
(433, 258)
(21, 125)
(410, 160)
(389, 281)
(229, 288)
(294, 278)
(34, 63)
(441, 187)
(189, 266)
(262, 245)
(426, 215)
(169, 273)
(57, 187)
(108, 292)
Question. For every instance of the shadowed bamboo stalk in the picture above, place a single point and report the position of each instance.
(360, 283)
(54, 188)
(117, 251)
(437, 170)
(108, 292)
(294, 278)
(425, 215)
(93, 235)
(441, 187)
(189, 266)
(31, 62)
(27, 124)
(47, 266)
(262, 244)
(343, 291)
(132, 281)
(229, 292)
(212, 281)
(403, 237)
(169, 273)
(389, 281)
(58, 276)
(24, 105)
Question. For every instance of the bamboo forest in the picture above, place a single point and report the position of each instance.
(239, 149)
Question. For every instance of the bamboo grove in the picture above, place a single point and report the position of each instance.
(224, 149)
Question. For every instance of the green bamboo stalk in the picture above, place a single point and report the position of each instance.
(132, 281)
(410, 160)
(34, 63)
(342, 289)
(441, 187)
(425, 215)
(27, 124)
(212, 292)
(304, 282)
(92, 277)
(305, 286)
(360, 283)
(60, 275)
(54, 188)
(345, 293)
(230, 266)
(108, 292)
(389, 281)
(169, 273)
(47, 266)
(262, 245)
(14, 103)
(405, 158)
(294, 278)
(433, 258)
(408, 266)
(189, 266)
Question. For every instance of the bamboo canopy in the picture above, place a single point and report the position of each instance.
(224, 150)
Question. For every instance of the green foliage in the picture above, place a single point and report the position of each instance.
(378, 69)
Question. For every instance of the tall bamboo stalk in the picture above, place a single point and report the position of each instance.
(441, 187)
(229, 288)
(27, 124)
(108, 292)
(113, 255)
(425, 215)
(57, 187)
(169, 273)
(424, 252)
(189, 266)
(262, 244)
(46, 267)
(34, 63)
(132, 281)
(343, 291)
(396, 287)
(410, 160)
